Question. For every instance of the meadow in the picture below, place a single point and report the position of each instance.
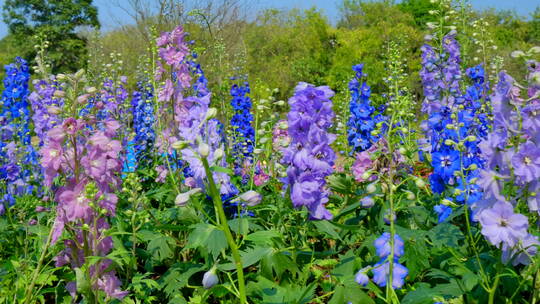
(198, 160)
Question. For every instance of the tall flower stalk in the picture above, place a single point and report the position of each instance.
(86, 159)
(189, 128)
(19, 168)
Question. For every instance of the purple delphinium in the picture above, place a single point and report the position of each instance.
(184, 118)
(86, 153)
(501, 225)
(309, 156)
(526, 163)
(45, 106)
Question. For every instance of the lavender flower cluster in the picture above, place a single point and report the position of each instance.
(309, 156)
(512, 151)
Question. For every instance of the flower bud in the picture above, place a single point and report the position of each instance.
(449, 142)
(91, 90)
(420, 183)
(210, 279)
(361, 277)
(59, 94)
(471, 138)
(179, 145)
(535, 50)
(252, 198)
(367, 202)
(182, 198)
(371, 188)
(204, 149)
(517, 54)
(410, 195)
(366, 175)
(218, 154)
(79, 74)
(54, 110)
(402, 150)
(211, 113)
(82, 99)
(61, 77)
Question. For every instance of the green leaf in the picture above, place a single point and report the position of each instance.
(239, 225)
(263, 237)
(341, 184)
(416, 257)
(83, 285)
(160, 247)
(423, 294)
(327, 228)
(222, 170)
(446, 235)
(248, 257)
(177, 277)
(207, 237)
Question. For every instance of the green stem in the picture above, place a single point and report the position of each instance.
(493, 290)
(218, 204)
(38, 267)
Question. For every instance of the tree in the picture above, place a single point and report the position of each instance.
(58, 21)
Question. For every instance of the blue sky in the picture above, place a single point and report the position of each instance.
(111, 15)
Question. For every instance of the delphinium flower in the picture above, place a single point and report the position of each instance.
(455, 126)
(363, 120)
(18, 159)
(381, 270)
(243, 132)
(45, 106)
(511, 175)
(143, 121)
(309, 157)
(84, 155)
(192, 121)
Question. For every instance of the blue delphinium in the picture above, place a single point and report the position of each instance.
(362, 119)
(18, 158)
(142, 106)
(381, 270)
(455, 126)
(243, 133)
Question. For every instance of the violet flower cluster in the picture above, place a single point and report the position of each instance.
(18, 160)
(192, 121)
(45, 106)
(88, 161)
(309, 157)
(362, 120)
(512, 151)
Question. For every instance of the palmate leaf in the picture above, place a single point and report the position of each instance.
(159, 245)
(351, 293)
(272, 293)
(177, 277)
(248, 257)
(208, 238)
